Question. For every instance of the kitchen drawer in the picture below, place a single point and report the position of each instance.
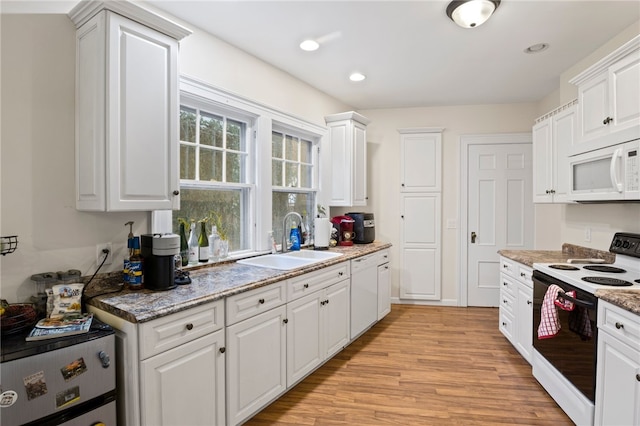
(253, 302)
(507, 302)
(308, 283)
(524, 275)
(507, 267)
(383, 256)
(176, 329)
(507, 285)
(506, 325)
(618, 322)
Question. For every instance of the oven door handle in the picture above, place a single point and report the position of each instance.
(562, 295)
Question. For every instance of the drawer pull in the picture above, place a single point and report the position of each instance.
(505, 266)
(529, 302)
(261, 301)
(306, 286)
(189, 326)
(638, 377)
(340, 274)
(223, 350)
(619, 325)
(504, 283)
(504, 301)
(522, 274)
(286, 320)
(504, 324)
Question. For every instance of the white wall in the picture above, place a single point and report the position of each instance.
(37, 142)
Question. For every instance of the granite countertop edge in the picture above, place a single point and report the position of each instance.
(626, 299)
(209, 284)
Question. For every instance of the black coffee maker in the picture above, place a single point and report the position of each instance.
(158, 252)
(364, 227)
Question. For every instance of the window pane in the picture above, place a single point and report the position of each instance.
(285, 202)
(306, 180)
(235, 132)
(197, 204)
(187, 162)
(235, 167)
(210, 165)
(187, 124)
(276, 145)
(276, 173)
(291, 175)
(210, 130)
(305, 151)
(292, 148)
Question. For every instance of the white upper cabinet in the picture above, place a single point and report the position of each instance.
(420, 160)
(126, 108)
(609, 100)
(553, 136)
(348, 157)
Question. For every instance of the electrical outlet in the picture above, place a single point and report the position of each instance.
(100, 255)
(587, 234)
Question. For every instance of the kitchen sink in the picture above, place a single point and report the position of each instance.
(289, 260)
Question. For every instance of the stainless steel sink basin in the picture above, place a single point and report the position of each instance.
(290, 260)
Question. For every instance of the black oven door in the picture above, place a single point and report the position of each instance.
(573, 350)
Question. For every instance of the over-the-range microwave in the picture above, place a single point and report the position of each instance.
(606, 174)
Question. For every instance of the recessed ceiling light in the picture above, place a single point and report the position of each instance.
(356, 76)
(309, 45)
(536, 48)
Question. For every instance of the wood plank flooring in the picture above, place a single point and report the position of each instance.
(421, 365)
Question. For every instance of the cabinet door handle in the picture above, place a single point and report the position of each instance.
(607, 120)
(529, 302)
(402, 216)
(386, 267)
(306, 286)
(222, 350)
(261, 301)
(286, 320)
(402, 184)
(619, 325)
(176, 192)
(326, 302)
(638, 377)
(522, 274)
(504, 283)
(505, 266)
(340, 274)
(504, 301)
(189, 326)
(473, 237)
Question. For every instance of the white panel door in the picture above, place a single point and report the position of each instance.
(563, 135)
(304, 336)
(335, 318)
(420, 252)
(420, 155)
(359, 174)
(500, 214)
(542, 162)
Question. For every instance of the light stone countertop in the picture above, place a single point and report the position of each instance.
(626, 299)
(209, 283)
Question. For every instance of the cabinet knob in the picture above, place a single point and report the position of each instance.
(286, 320)
(504, 283)
(638, 377)
(504, 301)
(340, 274)
(522, 274)
(261, 301)
(386, 267)
(619, 325)
(402, 185)
(306, 286)
(547, 191)
(401, 216)
(504, 324)
(553, 191)
(189, 326)
(529, 302)
(607, 120)
(223, 350)
(105, 361)
(176, 192)
(505, 266)
(326, 302)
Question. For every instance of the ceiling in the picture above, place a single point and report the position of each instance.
(410, 51)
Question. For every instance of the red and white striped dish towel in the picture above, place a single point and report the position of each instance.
(549, 324)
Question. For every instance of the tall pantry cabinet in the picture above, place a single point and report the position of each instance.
(420, 213)
(126, 108)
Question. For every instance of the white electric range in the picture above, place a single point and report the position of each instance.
(565, 363)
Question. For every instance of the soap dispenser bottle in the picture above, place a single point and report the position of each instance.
(294, 236)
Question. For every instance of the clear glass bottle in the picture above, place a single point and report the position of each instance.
(184, 246)
(193, 245)
(214, 244)
(203, 244)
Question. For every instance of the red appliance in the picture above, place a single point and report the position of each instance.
(344, 225)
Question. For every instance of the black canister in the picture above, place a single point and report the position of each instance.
(364, 227)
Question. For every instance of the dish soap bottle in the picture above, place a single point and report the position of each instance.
(294, 236)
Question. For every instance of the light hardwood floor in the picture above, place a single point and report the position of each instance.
(421, 365)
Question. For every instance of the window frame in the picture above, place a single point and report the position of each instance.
(264, 120)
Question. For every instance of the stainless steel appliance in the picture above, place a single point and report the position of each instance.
(62, 381)
(565, 365)
(158, 252)
(364, 227)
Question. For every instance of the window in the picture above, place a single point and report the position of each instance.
(293, 177)
(214, 177)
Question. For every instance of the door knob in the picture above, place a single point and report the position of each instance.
(473, 237)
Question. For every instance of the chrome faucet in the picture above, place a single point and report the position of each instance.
(284, 229)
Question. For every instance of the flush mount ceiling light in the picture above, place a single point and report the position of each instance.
(471, 13)
(309, 45)
(536, 48)
(356, 76)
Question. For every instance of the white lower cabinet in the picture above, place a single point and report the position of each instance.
(256, 363)
(185, 385)
(317, 328)
(384, 284)
(364, 293)
(618, 367)
(516, 306)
